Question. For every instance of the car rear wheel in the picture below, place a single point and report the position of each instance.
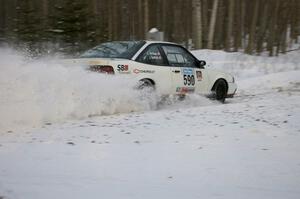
(146, 84)
(220, 90)
(147, 93)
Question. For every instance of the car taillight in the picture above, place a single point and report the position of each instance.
(102, 69)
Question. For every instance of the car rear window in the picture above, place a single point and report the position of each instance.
(116, 49)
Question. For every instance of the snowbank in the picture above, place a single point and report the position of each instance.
(244, 66)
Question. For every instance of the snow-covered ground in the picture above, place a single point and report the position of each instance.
(51, 147)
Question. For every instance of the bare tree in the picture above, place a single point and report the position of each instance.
(2, 18)
(252, 33)
(273, 27)
(264, 13)
(204, 23)
(220, 27)
(212, 24)
(110, 20)
(229, 24)
(197, 27)
(237, 30)
(146, 17)
(125, 24)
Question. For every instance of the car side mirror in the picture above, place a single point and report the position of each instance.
(202, 63)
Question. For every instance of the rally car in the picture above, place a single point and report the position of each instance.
(167, 67)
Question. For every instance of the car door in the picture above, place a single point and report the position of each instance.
(186, 74)
(151, 64)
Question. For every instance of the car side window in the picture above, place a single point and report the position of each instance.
(152, 56)
(179, 57)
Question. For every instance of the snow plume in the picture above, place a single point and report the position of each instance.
(33, 93)
(36, 92)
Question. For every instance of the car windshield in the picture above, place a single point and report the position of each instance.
(117, 49)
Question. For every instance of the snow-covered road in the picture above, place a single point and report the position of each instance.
(246, 148)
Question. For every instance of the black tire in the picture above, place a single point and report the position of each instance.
(220, 90)
(145, 84)
(147, 93)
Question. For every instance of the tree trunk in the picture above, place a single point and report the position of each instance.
(252, 33)
(125, 24)
(110, 20)
(283, 41)
(212, 24)
(282, 28)
(140, 20)
(262, 27)
(2, 18)
(229, 25)
(243, 19)
(158, 14)
(273, 29)
(204, 23)
(164, 18)
(45, 12)
(146, 17)
(293, 19)
(220, 28)
(298, 20)
(116, 19)
(197, 25)
(237, 30)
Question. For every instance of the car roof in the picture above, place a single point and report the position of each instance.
(158, 42)
(149, 42)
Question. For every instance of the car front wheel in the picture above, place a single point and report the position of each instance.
(220, 90)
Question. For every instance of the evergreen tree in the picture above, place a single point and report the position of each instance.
(71, 26)
(26, 25)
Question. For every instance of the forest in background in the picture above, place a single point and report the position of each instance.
(71, 26)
